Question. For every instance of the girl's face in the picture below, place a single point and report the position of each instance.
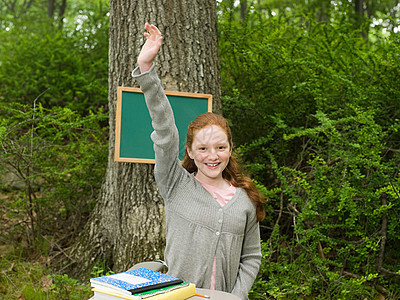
(211, 152)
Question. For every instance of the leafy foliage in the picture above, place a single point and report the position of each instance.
(53, 136)
(69, 65)
(56, 160)
(53, 128)
(314, 111)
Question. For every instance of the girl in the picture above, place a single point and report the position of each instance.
(212, 210)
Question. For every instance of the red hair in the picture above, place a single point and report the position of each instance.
(233, 173)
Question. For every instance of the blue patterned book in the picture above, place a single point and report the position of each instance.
(134, 281)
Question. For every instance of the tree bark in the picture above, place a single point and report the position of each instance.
(243, 9)
(50, 8)
(127, 224)
(61, 11)
(359, 18)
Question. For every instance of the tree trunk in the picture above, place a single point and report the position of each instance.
(61, 11)
(360, 18)
(322, 14)
(127, 224)
(50, 8)
(243, 9)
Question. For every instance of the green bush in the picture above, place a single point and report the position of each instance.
(314, 111)
(69, 66)
(343, 205)
(58, 159)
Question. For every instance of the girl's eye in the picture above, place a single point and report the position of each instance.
(202, 148)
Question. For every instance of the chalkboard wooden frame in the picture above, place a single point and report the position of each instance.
(133, 122)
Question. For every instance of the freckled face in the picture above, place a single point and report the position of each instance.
(211, 152)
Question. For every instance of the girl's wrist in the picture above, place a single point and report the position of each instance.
(144, 67)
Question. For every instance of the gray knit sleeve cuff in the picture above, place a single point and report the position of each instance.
(136, 72)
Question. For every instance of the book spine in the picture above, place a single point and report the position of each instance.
(155, 286)
(162, 291)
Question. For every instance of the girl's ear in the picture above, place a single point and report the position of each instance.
(189, 152)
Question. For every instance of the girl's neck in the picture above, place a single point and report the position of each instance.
(219, 183)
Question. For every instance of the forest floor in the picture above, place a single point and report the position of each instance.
(25, 272)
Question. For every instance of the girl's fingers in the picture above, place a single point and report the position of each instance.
(153, 30)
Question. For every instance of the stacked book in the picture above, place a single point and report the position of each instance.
(141, 283)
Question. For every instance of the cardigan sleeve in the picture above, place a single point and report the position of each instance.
(165, 135)
(250, 260)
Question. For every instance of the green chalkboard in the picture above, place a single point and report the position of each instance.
(133, 122)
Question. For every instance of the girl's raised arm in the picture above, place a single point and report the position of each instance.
(150, 48)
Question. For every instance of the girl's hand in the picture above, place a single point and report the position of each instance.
(150, 48)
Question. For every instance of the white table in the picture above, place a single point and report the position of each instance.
(214, 295)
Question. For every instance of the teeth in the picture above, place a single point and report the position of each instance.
(212, 165)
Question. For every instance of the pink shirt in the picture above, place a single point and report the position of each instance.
(222, 196)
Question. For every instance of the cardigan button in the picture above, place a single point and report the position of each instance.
(217, 233)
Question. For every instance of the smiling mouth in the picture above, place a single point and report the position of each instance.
(212, 165)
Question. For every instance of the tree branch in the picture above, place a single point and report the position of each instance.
(30, 120)
(278, 219)
(378, 287)
(383, 233)
(10, 5)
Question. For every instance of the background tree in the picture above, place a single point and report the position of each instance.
(127, 224)
(56, 9)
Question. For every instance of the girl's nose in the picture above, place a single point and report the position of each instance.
(213, 154)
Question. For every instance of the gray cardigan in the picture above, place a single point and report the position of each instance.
(198, 228)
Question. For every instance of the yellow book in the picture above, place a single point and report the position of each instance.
(176, 294)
